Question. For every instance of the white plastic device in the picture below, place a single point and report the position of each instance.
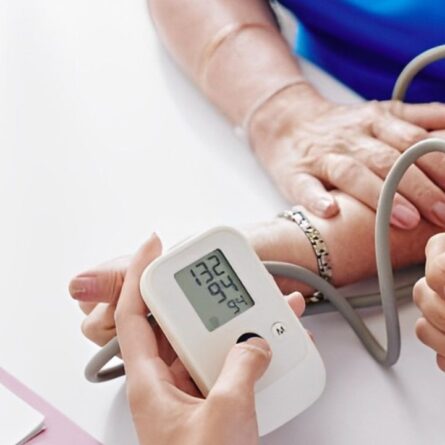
(212, 291)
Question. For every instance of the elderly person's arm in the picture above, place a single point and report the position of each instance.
(349, 237)
(234, 52)
(350, 240)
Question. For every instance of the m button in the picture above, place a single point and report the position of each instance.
(278, 329)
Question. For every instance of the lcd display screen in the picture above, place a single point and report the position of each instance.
(214, 289)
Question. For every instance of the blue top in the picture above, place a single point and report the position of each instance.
(366, 43)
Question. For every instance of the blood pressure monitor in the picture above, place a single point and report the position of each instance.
(211, 292)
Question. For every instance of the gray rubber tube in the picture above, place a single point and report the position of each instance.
(96, 370)
(413, 68)
(382, 243)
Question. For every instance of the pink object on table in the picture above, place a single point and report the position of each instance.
(58, 428)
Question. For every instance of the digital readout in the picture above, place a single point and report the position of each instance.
(214, 289)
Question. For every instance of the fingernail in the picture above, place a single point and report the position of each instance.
(259, 343)
(404, 217)
(83, 287)
(325, 205)
(439, 211)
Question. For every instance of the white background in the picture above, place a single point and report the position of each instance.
(103, 141)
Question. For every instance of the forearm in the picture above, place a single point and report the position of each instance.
(235, 72)
(350, 240)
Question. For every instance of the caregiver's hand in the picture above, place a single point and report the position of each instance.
(429, 296)
(309, 145)
(225, 417)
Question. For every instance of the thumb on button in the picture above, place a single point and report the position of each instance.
(244, 365)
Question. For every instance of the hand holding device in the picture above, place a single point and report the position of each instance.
(154, 373)
(211, 292)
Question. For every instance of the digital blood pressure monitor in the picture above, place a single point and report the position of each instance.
(211, 292)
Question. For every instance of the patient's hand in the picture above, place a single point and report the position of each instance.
(349, 236)
(429, 296)
(97, 291)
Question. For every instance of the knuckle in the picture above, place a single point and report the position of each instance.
(383, 161)
(295, 180)
(89, 328)
(339, 144)
(397, 108)
(422, 190)
(436, 162)
(290, 183)
(430, 307)
(306, 146)
(118, 315)
(438, 317)
(433, 241)
(301, 167)
(302, 185)
(375, 108)
(227, 400)
(416, 135)
(223, 398)
(97, 328)
(421, 329)
(342, 169)
(418, 292)
(435, 274)
(438, 266)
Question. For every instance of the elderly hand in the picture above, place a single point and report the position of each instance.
(429, 296)
(154, 372)
(320, 145)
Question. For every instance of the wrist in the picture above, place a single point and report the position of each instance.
(281, 113)
(249, 63)
(282, 240)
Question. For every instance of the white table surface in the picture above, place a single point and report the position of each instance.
(102, 141)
